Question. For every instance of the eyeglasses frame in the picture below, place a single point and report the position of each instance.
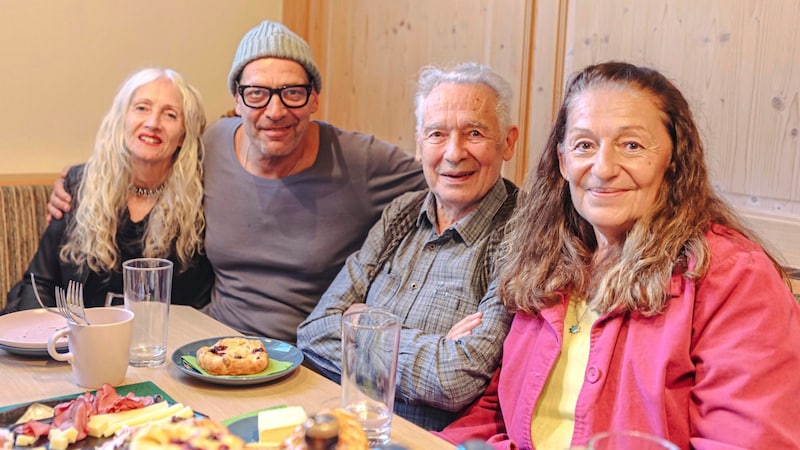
(273, 91)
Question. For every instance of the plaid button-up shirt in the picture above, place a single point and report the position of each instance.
(431, 282)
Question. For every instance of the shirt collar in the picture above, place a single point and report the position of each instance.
(473, 225)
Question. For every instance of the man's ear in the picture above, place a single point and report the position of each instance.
(313, 102)
(237, 106)
(511, 140)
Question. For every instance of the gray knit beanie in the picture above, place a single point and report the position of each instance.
(273, 39)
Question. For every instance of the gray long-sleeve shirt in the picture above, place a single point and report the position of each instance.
(276, 244)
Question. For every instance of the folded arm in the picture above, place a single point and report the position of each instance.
(450, 373)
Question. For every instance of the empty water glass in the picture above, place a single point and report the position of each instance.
(147, 283)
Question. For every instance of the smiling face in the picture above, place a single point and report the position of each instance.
(461, 147)
(615, 154)
(275, 130)
(154, 127)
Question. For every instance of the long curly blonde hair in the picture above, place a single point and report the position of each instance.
(550, 249)
(176, 222)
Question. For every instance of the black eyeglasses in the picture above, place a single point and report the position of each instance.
(295, 96)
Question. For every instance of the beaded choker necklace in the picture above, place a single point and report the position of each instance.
(143, 192)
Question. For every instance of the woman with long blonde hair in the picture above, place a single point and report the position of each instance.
(140, 194)
(642, 302)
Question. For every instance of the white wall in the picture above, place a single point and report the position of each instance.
(62, 61)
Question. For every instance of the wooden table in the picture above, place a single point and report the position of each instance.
(27, 379)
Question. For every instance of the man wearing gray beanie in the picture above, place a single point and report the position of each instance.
(272, 39)
(287, 198)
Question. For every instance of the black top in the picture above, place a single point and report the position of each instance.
(191, 286)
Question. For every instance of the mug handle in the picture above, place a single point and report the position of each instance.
(111, 296)
(51, 346)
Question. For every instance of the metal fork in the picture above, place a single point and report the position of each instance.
(75, 300)
(61, 303)
(36, 294)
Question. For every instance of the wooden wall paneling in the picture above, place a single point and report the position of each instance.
(294, 14)
(509, 50)
(372, 69)
(373, 52)
(517, 168)
(548, 31)
(308, 18)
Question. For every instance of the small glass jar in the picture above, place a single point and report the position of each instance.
(321, 432)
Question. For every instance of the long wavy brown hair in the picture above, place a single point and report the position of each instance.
(550, 249)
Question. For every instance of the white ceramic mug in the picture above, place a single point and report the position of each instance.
(98, 352)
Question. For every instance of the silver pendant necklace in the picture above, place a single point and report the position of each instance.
(576, 327)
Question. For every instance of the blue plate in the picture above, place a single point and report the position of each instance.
(276, 349)
(246, 425)
(246, 428)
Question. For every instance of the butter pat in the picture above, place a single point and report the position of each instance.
(23, 440)
(59, 440)
(275, 425)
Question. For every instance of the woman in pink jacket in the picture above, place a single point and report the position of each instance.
(643, 303)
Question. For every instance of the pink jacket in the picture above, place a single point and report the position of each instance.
(720, 369)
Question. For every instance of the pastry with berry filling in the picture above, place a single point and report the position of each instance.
(233, 356)
(193, 433)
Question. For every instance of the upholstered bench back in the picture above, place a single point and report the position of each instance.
(22, 221)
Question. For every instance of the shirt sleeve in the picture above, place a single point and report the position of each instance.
(746, 332)
(45, 267)
(482, 420)
(390, 173)
(450, 374)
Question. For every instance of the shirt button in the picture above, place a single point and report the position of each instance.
(431, 247)
(413, 285)
(593, 374)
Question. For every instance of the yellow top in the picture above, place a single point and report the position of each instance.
(554, 418)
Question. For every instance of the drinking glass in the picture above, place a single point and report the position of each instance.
(147, 285)
(628, 440)
(370, 343)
